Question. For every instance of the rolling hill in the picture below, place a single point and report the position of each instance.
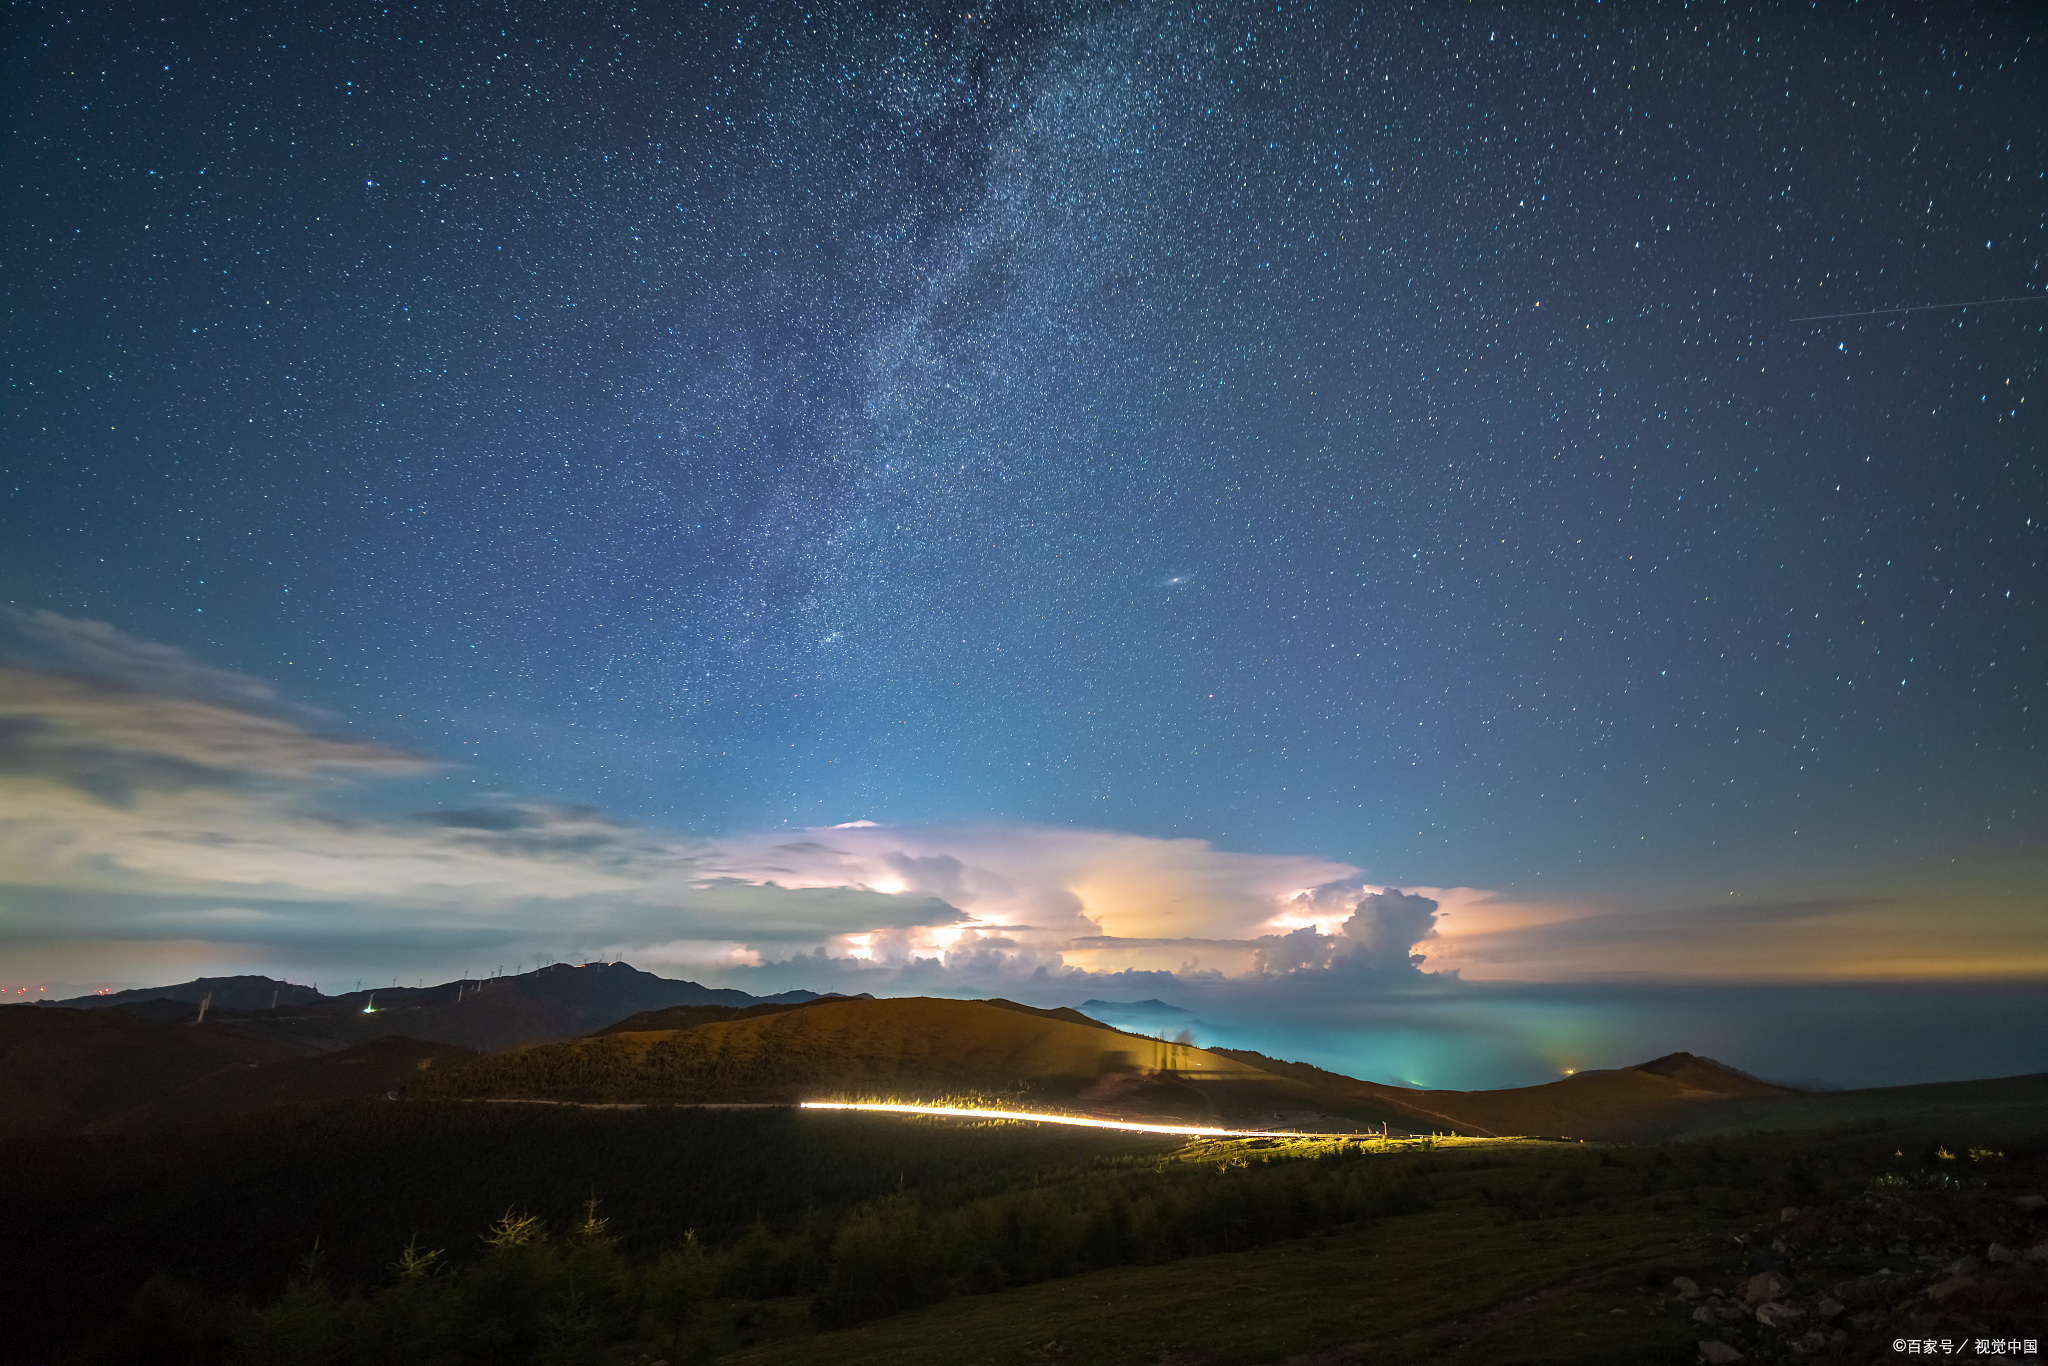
(1680, 1095)
(146, 1058)
(75, 1071)
(923, 1048)
(913, 1048)
(151, 1064)
(1604, 1104)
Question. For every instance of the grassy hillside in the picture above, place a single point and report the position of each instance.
(767, 1237)
(919, 1048)
(73, 1070)
(1683, 1096)
(96, 1071)
(1624, 1102)
(2004, 1103)
(234, 1206)
(676, 1018)
(908, 1048)
(368, 1069)
(1677, 1096)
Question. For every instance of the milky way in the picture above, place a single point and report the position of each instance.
(1306, 428)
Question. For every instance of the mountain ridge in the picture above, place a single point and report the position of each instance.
(558, 1001)
(154, 1063)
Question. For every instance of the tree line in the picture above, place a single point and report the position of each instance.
(526, 1292)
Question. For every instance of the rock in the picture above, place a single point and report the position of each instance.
(2000, 1253)
(1685, 1285)
(2032, 1204)
(1828, 1309)
(2038, 1253)
(1766, 1259)
(1718, 1353)
(1941, 1290)
(1789, 1213)
(1766, 1285)
(1775, 1314)
(1703, 1314)
(1961, 1266)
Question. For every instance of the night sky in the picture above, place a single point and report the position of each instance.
(1114, 448)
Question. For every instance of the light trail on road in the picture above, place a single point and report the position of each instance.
(1034, 1117)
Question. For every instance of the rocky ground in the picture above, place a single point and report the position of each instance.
(1937, 1270)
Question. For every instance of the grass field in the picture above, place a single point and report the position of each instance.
(1463, 1281)
(772, 1237)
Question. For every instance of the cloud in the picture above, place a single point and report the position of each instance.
(53, 642)
(146, 797)
(766, 913)
(133, 815)
(204, 809)
(1384, 928)
(1376, 932)
(1058, 881)
(113, 743)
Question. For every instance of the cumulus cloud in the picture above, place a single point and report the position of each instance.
(137, 816)
(1383, 929)
(207, 811)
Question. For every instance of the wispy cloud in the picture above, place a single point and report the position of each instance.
(95, 649)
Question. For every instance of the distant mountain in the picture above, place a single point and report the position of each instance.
(562, 1001)
(557, 1002)
(1152, 1006)
(232, 993)
(1150, 1016)
(145, 1058)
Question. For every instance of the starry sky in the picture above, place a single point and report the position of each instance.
(495, 477)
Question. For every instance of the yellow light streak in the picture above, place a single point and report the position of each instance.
(1033, 1117)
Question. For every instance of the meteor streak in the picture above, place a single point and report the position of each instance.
(960, 1112)
(1920, 308)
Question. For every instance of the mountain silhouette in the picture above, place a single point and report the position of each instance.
(560, 1001)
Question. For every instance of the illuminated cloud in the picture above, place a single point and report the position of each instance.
(149, 799)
